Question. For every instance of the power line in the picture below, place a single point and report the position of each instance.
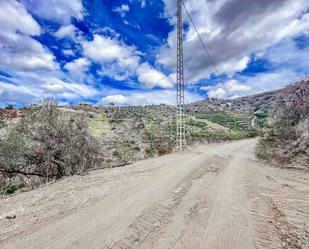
(206, 49)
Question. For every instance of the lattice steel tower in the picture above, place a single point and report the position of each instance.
(181, 130)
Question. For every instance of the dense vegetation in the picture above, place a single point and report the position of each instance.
(286, 141)
(45, 144)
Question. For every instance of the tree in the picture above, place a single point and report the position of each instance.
(48, 143)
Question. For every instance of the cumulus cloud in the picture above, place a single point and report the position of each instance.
(232, 30)
(246, 85)
(231, 88)
(286, 54)
(15, 18)
(19, 51)
(35, 90)
(107, 49)
(56, 10)
(147, 98)
(69, 90)
(288, 67)
(235, 31)
(18, 94)
(121, 62)
(25, 53)
(117, 59)
(115, 99)
(151, 77)
(66, 31)
(77, 66)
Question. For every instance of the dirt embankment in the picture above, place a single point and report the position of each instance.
(215, 196)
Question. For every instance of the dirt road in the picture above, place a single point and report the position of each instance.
(215, 196)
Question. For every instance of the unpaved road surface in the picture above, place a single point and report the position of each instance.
(215, 196)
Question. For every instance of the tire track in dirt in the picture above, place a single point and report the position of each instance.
(155, 218)
(229, 224)
(189, 221)
(181, 201)
(281, 213)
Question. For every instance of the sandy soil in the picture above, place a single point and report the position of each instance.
(215, 196)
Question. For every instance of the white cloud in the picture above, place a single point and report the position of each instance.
(30, 87)
(15, 18)
(25, 53)
(106, 49)
(66, 31)
(233, 66)
(77, 66)
(122, 10)
(232, 31)
(68, 52)
(68, 90)
(230, 89)
(18, 50)
(115, 99)
(53, 88)
(247, 85)
(289, 64)
(147, 98)
(120, 61)
(143, 3)
(287, 55)
(15, 94)
(56, 10)
(151, 77)
(81, 89)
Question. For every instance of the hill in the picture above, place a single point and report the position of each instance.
(116, 136)
(131, 133)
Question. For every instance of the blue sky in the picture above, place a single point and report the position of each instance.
(123, 51)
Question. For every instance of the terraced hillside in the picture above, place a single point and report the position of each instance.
(131, 133)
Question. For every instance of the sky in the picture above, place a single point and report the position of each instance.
(124, 51)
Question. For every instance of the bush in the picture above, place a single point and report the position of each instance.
(287, 139)
(3, 118)
(47, 143)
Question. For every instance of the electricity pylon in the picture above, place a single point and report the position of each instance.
(181, 129)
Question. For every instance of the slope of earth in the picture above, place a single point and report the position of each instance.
(254, 108)
(214, 196)
(132, 133)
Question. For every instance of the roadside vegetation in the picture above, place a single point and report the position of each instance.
(286, 141)
(45, 144)
(3, 119)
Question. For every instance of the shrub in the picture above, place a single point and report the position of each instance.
(116, 153)
(287, 139)
(149, 151)
(47, 143)
(3, 118)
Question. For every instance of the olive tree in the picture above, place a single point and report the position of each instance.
(49, 143)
